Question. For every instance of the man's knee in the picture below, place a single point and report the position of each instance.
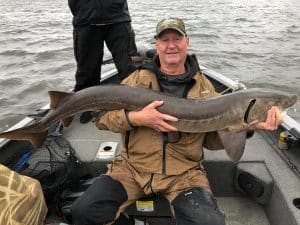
(197, 207)
(100, 202)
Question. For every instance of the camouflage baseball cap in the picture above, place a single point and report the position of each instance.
(170, 23)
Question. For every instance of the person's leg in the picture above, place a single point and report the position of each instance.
(120, 40)
(88, 51)
(120, 170)
(191, 199)
(107, 197)
(99, 203)
(197, 206)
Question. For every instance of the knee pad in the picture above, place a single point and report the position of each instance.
(197, 207)
(100, 202)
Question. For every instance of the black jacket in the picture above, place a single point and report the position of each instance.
(99, 11)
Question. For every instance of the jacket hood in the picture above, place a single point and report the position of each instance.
(191, 66)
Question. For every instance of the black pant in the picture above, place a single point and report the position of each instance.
(101, 201)
(88, 50)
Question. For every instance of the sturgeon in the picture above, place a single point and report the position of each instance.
(228, 114)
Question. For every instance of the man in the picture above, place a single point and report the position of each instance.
(95, 22)
(156, 158)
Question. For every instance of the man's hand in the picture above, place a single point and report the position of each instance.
(150, 117)
(273, 120)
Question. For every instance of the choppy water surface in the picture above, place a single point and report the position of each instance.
(256, 42)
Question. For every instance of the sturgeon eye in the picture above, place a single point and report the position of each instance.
(251, 104)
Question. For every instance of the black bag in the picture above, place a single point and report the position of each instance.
(51, 164)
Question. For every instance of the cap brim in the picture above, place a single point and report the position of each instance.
(170, 28)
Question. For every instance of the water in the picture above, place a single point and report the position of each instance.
(256, 42)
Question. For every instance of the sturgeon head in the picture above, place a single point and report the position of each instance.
(263, 100)
(256, 103)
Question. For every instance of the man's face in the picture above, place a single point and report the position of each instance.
(172, 48)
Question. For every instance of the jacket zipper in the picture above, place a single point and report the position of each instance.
(165, 142)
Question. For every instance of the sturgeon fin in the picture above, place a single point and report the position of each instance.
(58, 97)
(234, 143)
(37, 140)
(24, 133)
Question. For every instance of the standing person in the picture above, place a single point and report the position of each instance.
(96, 22)
(156, 158)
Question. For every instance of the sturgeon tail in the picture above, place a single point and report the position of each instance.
(33, 133)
